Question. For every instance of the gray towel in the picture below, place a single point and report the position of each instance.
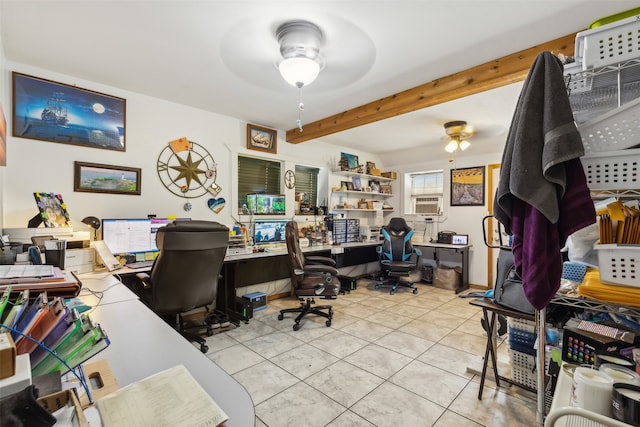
(541, 138)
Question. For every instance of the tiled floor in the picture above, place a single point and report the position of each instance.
(387, 360)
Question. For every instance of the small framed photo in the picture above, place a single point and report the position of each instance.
(375, 186)
(349, 185)
(367, 189)
(97, 178)
(344, 185)
(357, 183)
(262, 139)
(53, 210)
(56, 112)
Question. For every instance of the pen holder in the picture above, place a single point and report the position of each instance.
(55, 252)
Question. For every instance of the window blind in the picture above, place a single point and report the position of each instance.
(257, 176)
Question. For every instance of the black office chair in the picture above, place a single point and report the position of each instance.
(311, 277)
(185, 274)
(398, 258)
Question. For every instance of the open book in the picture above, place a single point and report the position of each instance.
(171, 397)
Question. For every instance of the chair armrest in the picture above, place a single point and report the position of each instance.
(417, 251)
(320, 269)
(316, 259)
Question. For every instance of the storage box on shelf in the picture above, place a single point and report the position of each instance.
(608, 44)
(522, 338)
(619, 264)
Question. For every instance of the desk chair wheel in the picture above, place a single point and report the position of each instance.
(415, 291)
(328, 323)
(296, 326)
(392, 292)
(204, 348)
(280, 316)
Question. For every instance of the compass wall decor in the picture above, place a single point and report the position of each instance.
(187, 169)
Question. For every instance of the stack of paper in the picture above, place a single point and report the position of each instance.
(169, 398)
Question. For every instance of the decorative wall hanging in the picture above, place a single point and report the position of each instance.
(56, 112)
(97, 178)
(262, 139)
(467, 186)
(290, 179)
(187, 169)
(53, 210)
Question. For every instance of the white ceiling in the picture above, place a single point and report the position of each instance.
(219, 56)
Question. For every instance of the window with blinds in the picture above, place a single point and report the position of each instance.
(257, 176)
(427, 192)
(307, 184)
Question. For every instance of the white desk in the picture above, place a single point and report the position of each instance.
(142, 344)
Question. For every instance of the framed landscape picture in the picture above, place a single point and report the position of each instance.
(97, 178)
(56, 112)
(467, 186)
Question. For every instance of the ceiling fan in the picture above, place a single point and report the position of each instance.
(457, 133)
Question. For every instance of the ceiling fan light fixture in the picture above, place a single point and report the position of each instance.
(464, 145)
(299, 71)
(451, 146)
(300, 47)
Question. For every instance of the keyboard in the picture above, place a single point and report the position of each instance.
(140, 264)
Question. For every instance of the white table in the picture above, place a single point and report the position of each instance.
(142, 344)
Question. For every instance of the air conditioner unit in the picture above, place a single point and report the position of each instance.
(428, 205)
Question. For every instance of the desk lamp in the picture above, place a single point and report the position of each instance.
(93, 223)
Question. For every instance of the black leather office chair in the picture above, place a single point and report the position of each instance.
(398, 258)
(185, 274)
(311, 277)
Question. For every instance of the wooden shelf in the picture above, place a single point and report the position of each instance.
(363, 175)
(364, 194)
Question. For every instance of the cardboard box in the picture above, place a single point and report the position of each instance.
(20, 380)
(392, 175)
(448, 278)
(7, 356)
(100, 380)
(53, 402)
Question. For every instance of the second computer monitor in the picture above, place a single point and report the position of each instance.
(269, 231)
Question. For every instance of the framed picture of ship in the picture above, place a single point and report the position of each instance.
(56, 112)
(97, 178)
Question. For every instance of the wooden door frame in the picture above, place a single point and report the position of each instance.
(490, 171)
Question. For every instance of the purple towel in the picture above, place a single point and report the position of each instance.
(537, 242)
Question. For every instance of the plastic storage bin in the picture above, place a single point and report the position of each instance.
(619, 264)
(608, 44)
(615, 170)
(523, 368)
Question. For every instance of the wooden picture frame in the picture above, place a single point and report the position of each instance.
(467, 186)
(56, 112)
(262, 139)
(98, 178)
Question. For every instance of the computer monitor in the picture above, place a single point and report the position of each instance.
(133, 235)
(266, 204)
(269, 232)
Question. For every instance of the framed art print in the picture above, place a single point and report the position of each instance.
(97, 178)
(56, 112)
(262, 139)
(467, 186)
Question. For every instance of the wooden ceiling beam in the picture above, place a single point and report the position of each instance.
(499, 72)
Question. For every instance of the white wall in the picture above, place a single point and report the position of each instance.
(461, 219)
(34, 165)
